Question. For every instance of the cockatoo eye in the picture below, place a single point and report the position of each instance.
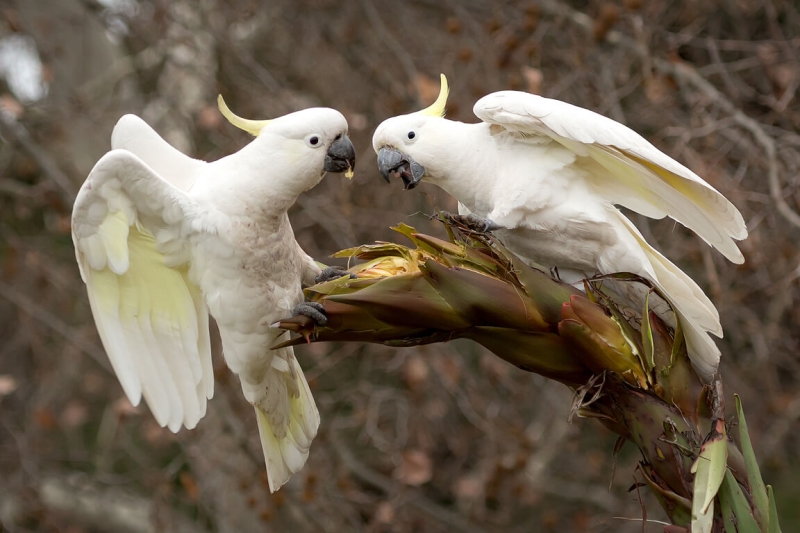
(313, 141)
(411, 135)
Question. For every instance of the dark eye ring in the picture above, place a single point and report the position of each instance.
(313, 141)
(411, 135)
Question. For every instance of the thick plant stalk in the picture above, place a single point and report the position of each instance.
(625, 366)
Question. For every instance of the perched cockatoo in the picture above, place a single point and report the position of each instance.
(547, 176)
(162, 240)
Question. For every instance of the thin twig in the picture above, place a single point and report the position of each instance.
(246, 58)
(686, 73)
(342, 234)
(17, 188)
(122, 67)
(16, 132)
(399, 52)
(780, 428)
(420, 501)
(107, 508)
(54, 323)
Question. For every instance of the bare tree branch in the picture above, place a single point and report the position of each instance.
(55, 323)
(387, 36)
(17, 133)
(366, 474)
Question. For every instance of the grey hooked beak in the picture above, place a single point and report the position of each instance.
(341, 157)
(392, 162)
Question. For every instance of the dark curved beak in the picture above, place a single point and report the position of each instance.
(392, 162)
(341, 157)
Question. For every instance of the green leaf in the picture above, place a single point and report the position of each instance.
(341, 285)
(709, 470)
(677, 507)
(482, 299)
(431, 245)
(680, 384)
(774, 526)
(607, 295)
(678, 344)
(404, 229)
(597, 354)
(597, 339)
(548, 294)
(378, 250)
(757, 488)
(702, 522)
(662, 343)
(736, 512)
(647, 335)
(543, 353)
(445, 247)
(407, 301)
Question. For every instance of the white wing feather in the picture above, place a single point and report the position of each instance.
(151, 318)
(133, 134)
(697, 314)
(627, 169)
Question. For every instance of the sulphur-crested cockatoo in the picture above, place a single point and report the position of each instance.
(547, 177)
(162, 240)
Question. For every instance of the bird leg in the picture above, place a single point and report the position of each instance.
(312, 310)
(473, 222)
(332, 272)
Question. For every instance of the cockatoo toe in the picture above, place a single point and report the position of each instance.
(312, 310)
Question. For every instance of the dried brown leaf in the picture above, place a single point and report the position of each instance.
(416, 468)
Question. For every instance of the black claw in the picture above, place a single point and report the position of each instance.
(312, 310)
(473, 222)
(332, 272)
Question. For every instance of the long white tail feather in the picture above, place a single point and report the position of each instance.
(277, 471)
(287, 455)
(696, 313)
(703, 352)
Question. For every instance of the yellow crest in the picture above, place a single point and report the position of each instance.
(436, 109)
(253, 127)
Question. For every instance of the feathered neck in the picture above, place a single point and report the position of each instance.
(467, 172)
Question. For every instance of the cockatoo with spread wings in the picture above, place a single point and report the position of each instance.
(162, 240)
(547, 176)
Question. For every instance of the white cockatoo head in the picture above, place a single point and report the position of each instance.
(408, 146)
(307, 143)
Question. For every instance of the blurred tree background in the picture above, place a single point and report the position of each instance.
(438, 438)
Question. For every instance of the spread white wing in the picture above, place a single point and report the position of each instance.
(129, 227)
(625, 168)
(133, 134)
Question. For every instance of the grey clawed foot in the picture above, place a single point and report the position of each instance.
(332, 272)
(473, 222)
(312, 310)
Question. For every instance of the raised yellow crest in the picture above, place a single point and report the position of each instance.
(253, 127)
(436, 109)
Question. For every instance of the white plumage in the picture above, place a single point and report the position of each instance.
(550, 175)
(162, 240)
